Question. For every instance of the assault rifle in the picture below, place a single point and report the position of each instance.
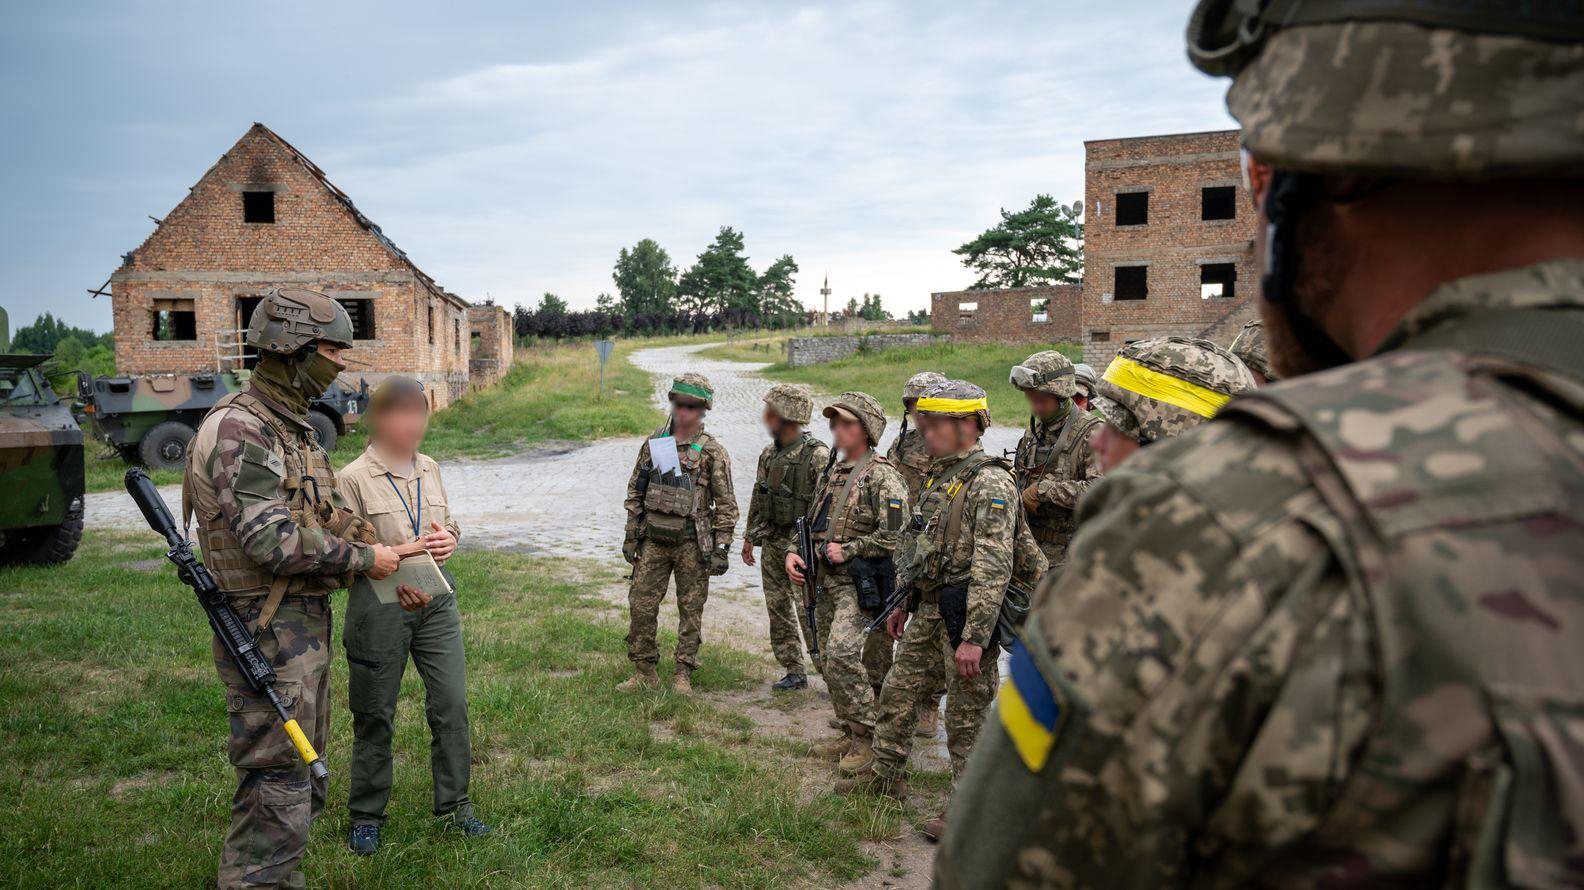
(898, 597)
(806, 529)
(223, 620)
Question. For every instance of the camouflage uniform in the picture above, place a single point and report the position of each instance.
(1249, 347)
(1054, 463)
(865, 503)
(784, 484)
(1331, 638)
(278, 539)
(689, 544)
(912, 460)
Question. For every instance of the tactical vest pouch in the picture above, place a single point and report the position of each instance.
(875, 580)
(668, 505)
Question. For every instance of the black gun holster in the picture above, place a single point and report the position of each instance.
(875, 580)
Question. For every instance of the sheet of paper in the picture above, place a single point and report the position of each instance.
(420, 571)
(663, 453)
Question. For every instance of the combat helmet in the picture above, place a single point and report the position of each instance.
(1086, 379)
(1159, 388)
(956, 398)
(1249, 345)
(692, 386)
(1048, 372)
(789, 402)
(289, 318)
(862, 407)
(915, 385)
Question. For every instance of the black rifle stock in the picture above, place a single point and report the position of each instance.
(223, 620)
(805, 544)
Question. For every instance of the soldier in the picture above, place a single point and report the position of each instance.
(911, 458)
(1054, 463)
(677, 525)
(1249, 346)
(856, 520)
(959, 565)
(1160, 388)
(1332, 637)
(279, 540)
(1086, 380)
(789, 469)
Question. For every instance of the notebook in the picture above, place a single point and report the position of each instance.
(419, 570)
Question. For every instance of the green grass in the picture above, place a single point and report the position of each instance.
(751, 349)
(116, 773)
(881, 374)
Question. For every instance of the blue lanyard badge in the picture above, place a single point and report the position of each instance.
(417, 521)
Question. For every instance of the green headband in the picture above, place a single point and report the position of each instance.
(688, 389)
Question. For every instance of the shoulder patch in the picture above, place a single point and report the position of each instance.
(997, 504)
(1028, 710)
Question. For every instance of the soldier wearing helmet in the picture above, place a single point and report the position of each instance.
(1054, 464)
(959, 560)
(857, 517)
(1086, 380)
(784, 485)
(1249, 347)
(679, 524)
(1332, 635)
(278, 538)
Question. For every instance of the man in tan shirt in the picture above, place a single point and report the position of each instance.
(398, 491)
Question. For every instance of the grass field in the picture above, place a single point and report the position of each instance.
(750, 349)
(117, 775)
(881, 374)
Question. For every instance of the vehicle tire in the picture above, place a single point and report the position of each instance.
(47, 544)
(165, 446)
(324, 428)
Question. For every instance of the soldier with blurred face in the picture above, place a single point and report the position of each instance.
(278, 538)
(1331, 637)
(1085, 381)
(784, 487)
(1054, 463)
(1249, 346)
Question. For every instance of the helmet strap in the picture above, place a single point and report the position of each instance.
(1292, 193)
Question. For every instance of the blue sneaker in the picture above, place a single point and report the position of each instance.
(467, 823)
(364, 840)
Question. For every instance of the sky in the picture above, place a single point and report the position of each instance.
(513, 148)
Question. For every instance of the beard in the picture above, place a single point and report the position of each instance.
(1323, 261)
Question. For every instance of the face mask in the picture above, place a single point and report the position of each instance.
(315, 375)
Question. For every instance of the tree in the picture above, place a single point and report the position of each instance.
(852, 307)
(720, 282)
(46, 332)
(605, 303)
(552, 305)
(645, 280)
(1040, 245)
(870, 309)
(775, 292)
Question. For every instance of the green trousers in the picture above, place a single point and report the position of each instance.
(379, 639)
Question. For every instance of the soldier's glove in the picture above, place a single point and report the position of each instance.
(1030, 499)
(630, 550)
(718, 562)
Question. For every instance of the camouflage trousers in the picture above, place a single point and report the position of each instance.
(876, 646)
(657, 565)
(784, 603)
(923, 650)
(842, 650)
(276, 801)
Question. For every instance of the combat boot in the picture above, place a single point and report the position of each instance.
(364, 840)
(836, 723)
(860, 752)
(832, 749)
(928, 719)
(682, 681)
(934, 828)
(872, 782)
(789, 683)
(644, 677)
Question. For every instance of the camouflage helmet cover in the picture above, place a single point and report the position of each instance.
(1442, 88)
(289, 318)
(1086, 378)
(918, 383)
(865, 408)
(1159, 388)
(956, 398)
(1249, 345)
(693, 386)
(1047, 372)
(790, 403)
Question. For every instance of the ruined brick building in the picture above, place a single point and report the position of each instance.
(265, 215)
(490, 353)
(1168, 249)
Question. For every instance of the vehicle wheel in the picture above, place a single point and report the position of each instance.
(324, 428)
(45, 545)
(165, 446)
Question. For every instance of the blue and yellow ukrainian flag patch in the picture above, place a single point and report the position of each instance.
(1028, 710)
(997, 504)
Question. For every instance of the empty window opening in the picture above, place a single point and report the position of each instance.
(430, 324)
(1218, 202)
(258, 207)
(245, 306)
(1132, 282)
(1217, 280)
(458, 323)
(1100, 336)
(361, 311)
(1039, 311)
(965, 311)
(1132, 208)
(173, 319)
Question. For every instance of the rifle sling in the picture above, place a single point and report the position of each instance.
(959, 500)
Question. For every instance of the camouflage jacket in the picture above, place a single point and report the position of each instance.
(981, 554)
(243, 484)
(709, 465)
(912, 460)
(870, 524)
(1328, 638)
(784, 485)
(1059, 475)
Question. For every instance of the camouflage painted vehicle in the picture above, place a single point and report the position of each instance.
(151, 418)
(41, 463)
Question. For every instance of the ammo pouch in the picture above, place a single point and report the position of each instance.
(668, 506)
(875, 580)
(953, 608)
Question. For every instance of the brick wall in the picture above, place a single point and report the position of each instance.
(491, 354)
(1007, 315)
(1173, 244)
(206, 253)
